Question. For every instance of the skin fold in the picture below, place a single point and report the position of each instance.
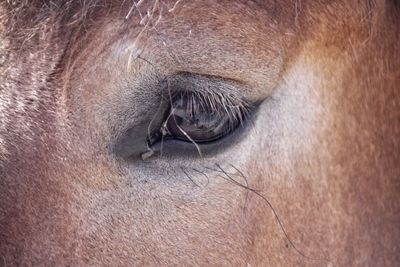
(312, 178)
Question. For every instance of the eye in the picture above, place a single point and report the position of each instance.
(187, 115)
(200, 117)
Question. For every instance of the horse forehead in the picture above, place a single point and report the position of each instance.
(242, 37)
(231, 39)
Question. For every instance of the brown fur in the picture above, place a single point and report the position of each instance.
(323, 150)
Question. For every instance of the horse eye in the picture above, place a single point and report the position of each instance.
(199, 118)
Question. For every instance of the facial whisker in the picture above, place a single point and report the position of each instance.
(203, 173)
(188, 176)
(229, 178)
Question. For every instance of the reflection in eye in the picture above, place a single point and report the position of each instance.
(200, 117)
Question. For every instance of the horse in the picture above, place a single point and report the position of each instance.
(200, 133)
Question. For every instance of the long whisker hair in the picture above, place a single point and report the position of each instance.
(229, 177)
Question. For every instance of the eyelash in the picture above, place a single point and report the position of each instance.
(227, 107)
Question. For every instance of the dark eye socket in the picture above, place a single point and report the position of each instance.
(200, 118)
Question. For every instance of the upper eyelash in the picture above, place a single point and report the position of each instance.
(223, 104)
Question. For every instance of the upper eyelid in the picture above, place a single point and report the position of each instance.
(207, 85)
(227, 95)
